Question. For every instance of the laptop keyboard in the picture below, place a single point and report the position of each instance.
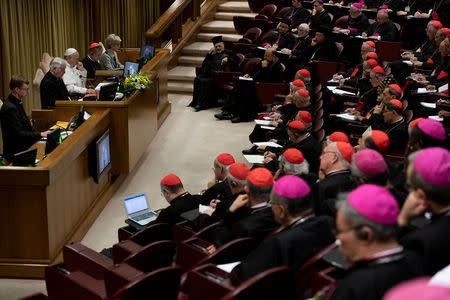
(143, 216)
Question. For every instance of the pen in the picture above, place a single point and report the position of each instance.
(217, 198)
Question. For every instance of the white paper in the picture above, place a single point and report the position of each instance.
(342, 92)
(346, 116)
(361, 37)
(437, 118)
(407, 62)
(228, 267)
(262, 122)
(443, 88)
(332, 88)
(268, 127)
(268, 144)
(97, 88)
(254, 159)
(424, 91)
(245, 78)
(333, 81)
(268, 118)
(428, 105)
(203, 208)
(86, 115)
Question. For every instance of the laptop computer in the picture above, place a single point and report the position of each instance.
(130, 68)
(138, 210)
(146, 50)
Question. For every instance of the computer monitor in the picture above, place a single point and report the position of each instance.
(53, 140)
(25, 158)
(146, 50)
(108, 92)
(130, 68)
(100, 156)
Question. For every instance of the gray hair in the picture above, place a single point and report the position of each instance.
(342, 160)
(57, 62)
(381, 232)
(378, 179)
(230, 178)
(260, 193)
(293, 169)
(112, 39)
(433, 192)
(304, 26)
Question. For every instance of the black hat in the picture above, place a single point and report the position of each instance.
(217, 39)
(286, 21)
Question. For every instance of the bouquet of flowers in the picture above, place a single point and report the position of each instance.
(133, 82)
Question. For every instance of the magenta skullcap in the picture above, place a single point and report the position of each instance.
(370, 162)
(433, 164)
(375, 203)
(357, 5)
(291, 186)
(417, 289)
(432, 128)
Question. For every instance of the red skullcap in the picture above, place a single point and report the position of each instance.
(170, 179)
(446, 31)
(370, 43)
(378, 70)
(414, 122)
(294, 156)
(338, 136)
(381, 140)
(397, 103)
(437, 24)
(298, 83)
(239, 171)
(304, 93)
(304, 73)
(93, 45)
(225, 159)
(260, 177)
(297, 125)
(372, 55)
(305, 116)
(396, 88)
(372, 62)
(346, 150)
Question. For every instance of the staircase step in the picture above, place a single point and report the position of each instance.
(193, 61)
(197, 49)
(182, 73)
(228, 16)
(180, 87)
(234, 6)
(207, 36)
(218, 27)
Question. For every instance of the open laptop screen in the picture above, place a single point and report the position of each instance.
(130, 68)
(136, 204)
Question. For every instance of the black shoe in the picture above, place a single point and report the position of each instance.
(223, 116)
(236, 120)
(199, 108)
(252, 150)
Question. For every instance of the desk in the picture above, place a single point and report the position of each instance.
(48, 206)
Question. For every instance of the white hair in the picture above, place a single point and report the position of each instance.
(57, 62)
(344, 162)
(112, 39)
(293, 169)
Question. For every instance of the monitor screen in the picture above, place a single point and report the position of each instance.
(53, 140)
(136, 204)
(108, 92)
(103, 153)
(130, 68)
(146, 50)
(25, 158)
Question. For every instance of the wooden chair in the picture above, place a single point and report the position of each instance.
(342, 22)
(208, 233)
(323, 70)
(319, 114)
(183, 231)
(388, 51)
(147, 258)
(235, 250)
(265, 91)
(267, 12)
(251, 36)
(152, 233)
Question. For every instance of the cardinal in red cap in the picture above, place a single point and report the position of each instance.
(91, 62)
(292, 162)
(338, 136)
(218, 189)
(304, 75)
(250, 215)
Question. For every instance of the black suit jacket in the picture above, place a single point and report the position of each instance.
(179, 205)
(320, 19)
(291, 247)
(297, 15)
(52, 89)
(271, 73)
(18, 134)
(387, 31)
(90, 66)
(220, 190)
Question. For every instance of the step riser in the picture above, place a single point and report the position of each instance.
(234, 9)
(218, 30)
(194, 52)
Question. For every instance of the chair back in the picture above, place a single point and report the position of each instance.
(268, 11)
(267, 36)
(253, 34)
(235, 250)
(250, 65)
(153, 256)
(256, 5)
(323, 70)
(281, 12)
(320, 135)
(388, 51)
(152, 233)
(342, 22)
(409, 114)
(266, 91)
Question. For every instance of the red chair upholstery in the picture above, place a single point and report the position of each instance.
(319, 114)
(319, 104)
(225, 80)
(342, 22)
(340, 48)
(322, 279)
(251, 36)
(281, 12)
(124, 233)
(388, 51)
(191, 251)
(242, 24)
(183, 231)
(409, 114)
(323, 70)
(266, 91)
(235, 250)
(152, 233)
(267, 36)
(250, 65)
(208, 233)
(267, 12)
(241, 59)
(159, 284)
(244, 48)
(256, 5)
(275, 283)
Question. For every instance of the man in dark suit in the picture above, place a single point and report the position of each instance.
(303, 236)
(18, 134)
(428, 177)
(91, 61)
(250, 214)
(179, 200)
(297, 13)
(319, 16)
(52, 86)
(383, 28)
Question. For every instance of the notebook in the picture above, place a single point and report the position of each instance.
(138, 210)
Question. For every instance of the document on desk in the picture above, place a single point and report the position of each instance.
(268, 144)
(60, 124)
(262, 122)
(268, 118)
(333, 81)
(254, 159)
(228, 267)
(437, 118)
(424, 91)
(443, 88)
(342, 92)
(428, 105)
(203, 208)
(332, 88)
(245, 78)
(268, 127)
(99, 86)
(346, 116)
(407, 62)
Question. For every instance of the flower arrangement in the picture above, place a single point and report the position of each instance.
(133, 82)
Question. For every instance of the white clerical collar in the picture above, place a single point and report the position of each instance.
(263, 204)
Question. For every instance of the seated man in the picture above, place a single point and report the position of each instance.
(300, 51)
(428, 176)
(383, 29)
(75, 75)
(179, 200)
(303, 235)
(357, 21)
(425, 133)
(297, 13)
(91, 62)
(52, 86)
(334, 177)
(18, 134)
(283, 39)
(292, 162)
(323, 47)
(319, 16)
(367, 234)
(218, 59)
(250, 215)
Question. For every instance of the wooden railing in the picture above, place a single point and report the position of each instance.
(169, 25)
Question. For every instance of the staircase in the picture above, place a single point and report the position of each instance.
(181, 78)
